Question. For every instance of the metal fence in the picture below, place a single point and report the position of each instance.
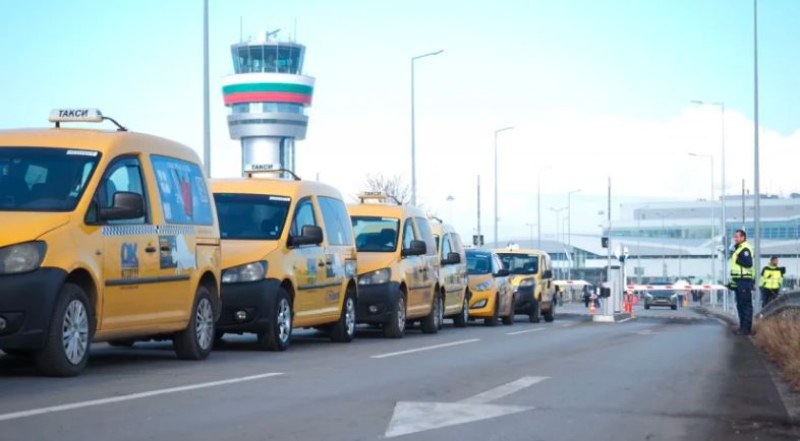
(784, 302)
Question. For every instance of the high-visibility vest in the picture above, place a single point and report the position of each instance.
(738, 271)
(771, 277)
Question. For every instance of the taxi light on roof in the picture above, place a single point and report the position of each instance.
(76, 115)
(372, 196)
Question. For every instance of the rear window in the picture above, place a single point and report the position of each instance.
(183, 190)
(251, 216)
(479, 263)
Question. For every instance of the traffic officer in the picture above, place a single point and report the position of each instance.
(742, 281)
(771, 280)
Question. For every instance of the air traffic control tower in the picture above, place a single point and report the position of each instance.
(268, 96)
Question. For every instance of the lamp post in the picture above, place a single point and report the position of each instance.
(206, 111)
(413, 129)
(713, 217)
(558, 211)
(723, 187)
(496, 218)
(531, 225)
(756, 158)
(450, 200)
(569, 232)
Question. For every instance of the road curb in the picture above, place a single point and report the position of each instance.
(710, 312)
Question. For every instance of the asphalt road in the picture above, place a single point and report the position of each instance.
(667, 375)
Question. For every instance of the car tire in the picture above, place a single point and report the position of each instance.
(278, 333)
(73, 321)
(396, 326)
(433, 321)
(492, 321)
(646, 306)
(533, 312)
(462, 318)
(509, 319)
(550, 315)
(344, 331)
(197, 341)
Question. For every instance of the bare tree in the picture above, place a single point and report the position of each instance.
(393, 187)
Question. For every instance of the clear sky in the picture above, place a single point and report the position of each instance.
(594, 89)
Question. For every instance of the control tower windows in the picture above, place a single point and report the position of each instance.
(297, 109)
(267, 58)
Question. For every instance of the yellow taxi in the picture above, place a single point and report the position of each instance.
(398, 267)
(288, 259)
(491, 293)
(532, 279)
(106, 236)
(452, 273)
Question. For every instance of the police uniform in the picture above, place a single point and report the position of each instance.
(742, 282)
(771, 282)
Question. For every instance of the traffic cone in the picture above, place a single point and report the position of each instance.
(592, 309)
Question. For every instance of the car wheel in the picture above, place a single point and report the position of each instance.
(278, 334)
(492, 321)
(345, 329)
(550, 315)
(70, 335)
(646, 306)
(396, 326)
(462, 318)
(197, 340)
(533, 312)
(432, 322)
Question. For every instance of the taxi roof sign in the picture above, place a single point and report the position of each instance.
(59, 116)
(75, 115)
(372, 195)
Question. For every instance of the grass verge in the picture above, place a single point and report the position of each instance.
(779, 336)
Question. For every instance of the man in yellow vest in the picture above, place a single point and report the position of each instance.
(771, 281)
(742, 281)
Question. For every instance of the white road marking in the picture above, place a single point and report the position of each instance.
(567, 325)
(426, 348)
(625, 320)
(525, 331)
(136, 396)
(412, 417)
(504, 390)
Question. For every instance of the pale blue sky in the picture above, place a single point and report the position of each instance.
(526, 63)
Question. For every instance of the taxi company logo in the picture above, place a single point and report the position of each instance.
(73, 113)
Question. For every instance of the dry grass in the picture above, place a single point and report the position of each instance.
(779, 336)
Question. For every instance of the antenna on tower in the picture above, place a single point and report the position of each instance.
(294, 33)
(241, 38)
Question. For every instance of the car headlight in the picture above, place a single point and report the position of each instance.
(673, 297)
(484, 285)
(648, 295)
(249, 272)
(22, 258)
(376, 277)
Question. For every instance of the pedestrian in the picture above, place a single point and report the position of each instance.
(771, 281)
(742, 281)
(586, 296)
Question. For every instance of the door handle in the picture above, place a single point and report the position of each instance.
(150, 249)
(166, 248)
(321, 264)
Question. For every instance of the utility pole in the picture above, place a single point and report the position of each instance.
(206, 105)
(479, 206)
(539, 211)
(756, 168)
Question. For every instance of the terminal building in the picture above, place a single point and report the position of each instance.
(671, 240)
(267, 96)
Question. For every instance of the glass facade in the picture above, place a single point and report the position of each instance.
(773, 230)
(272, 58)
(298, 109)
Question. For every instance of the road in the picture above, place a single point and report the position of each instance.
(667, 375)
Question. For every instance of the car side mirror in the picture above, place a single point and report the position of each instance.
(417, 248)
(502, 273)
(548, 274)
(452, 259)
(309, 235)
(126, 205)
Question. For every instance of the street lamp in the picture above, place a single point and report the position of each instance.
(450, 200)
(496, 218)
(413, 129)
(713, 220)
(569, 232)
(723, 184)
(558, 211)
(206, 111)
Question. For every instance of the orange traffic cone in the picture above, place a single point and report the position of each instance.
(592, 309)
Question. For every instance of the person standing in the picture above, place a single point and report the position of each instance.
(742, 281)
(771, 281)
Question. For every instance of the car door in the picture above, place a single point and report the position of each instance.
(130, 251)
(337, 250)
(414, 275)
(308, 268)
(449, 274)
(503, 284)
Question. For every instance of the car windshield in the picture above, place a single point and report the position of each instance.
(251, 216)
(44, 179)
(376, 234)
(479, 263)
(520, 263)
